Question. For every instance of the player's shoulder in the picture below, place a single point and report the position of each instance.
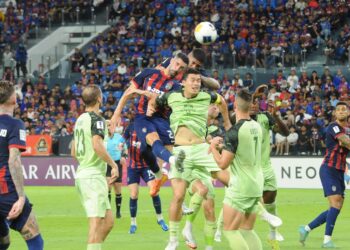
(11, 122)
(334, 127)
(149, 71)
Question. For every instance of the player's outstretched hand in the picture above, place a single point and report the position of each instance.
(114, 174)
(16, 209)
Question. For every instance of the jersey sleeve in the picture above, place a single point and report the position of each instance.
(214, 97)
(98, 126)
(231, 140)
(165, 63)
(17, 136)
(140, 77)
(162, 100)
(335, 130)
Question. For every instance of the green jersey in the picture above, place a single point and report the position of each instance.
(266, 122)
(189, 112)
(244, 140)
(88, 125)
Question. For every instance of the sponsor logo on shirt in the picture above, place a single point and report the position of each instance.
(99, 125)
(22, 135)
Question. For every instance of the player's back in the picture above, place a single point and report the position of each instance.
(335, 154)
(89, 162)
(12, 134)
(246, 167)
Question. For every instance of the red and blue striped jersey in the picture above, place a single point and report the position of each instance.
(152, 80)
(135, 148)
(335, 154)
(12, 135)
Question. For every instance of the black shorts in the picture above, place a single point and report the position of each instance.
(120, 169)
(6, 203)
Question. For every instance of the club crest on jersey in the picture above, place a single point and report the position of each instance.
(144, 130)
(169, 85)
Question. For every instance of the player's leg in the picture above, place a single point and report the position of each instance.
(108, 177)
(117, 185)
(107, 224)
(248, 233)
(31, 234)
(4, 235)
(152, 163)
(269, 199)
(198, 193)
(210, 222)
(133, 184)
(179, 190)
(219, 226)
(93, 193)
(149, 177)
(232, 221)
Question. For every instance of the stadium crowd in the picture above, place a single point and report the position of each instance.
(146, 32)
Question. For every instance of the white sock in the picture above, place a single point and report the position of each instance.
(173, 239)
(327, 239)
(172, 160)
(159, 217)
(307, 228)
(133, 221)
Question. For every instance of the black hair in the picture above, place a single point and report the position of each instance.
(342, 103)
(183, 57)
(190, 71)
(199, 54)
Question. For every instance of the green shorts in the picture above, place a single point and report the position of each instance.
(93, 193)
(205, 179)
(242, 204)
(270, 182)
(197, 157)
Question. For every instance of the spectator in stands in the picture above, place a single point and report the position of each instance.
(21, 60)
(77, 60)
(292, 141)
(304, 141)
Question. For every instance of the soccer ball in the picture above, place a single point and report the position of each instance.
(205, 33)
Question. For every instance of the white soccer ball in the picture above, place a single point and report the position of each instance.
(205, 33)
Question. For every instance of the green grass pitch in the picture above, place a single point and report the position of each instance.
(64, 226)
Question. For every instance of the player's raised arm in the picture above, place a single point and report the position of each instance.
(344, 141)
(220, 101)
(210, 82)
(280, 126)
(115, 120)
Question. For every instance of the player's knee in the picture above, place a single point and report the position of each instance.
(179, 197)
(202, 190)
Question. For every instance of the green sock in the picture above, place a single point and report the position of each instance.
(209, 232)
(220, 222)
(158, 175)
(236, 240)
(271, 208)
(174, 229)
(195, 205)
(94, 246)
(252, 239)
